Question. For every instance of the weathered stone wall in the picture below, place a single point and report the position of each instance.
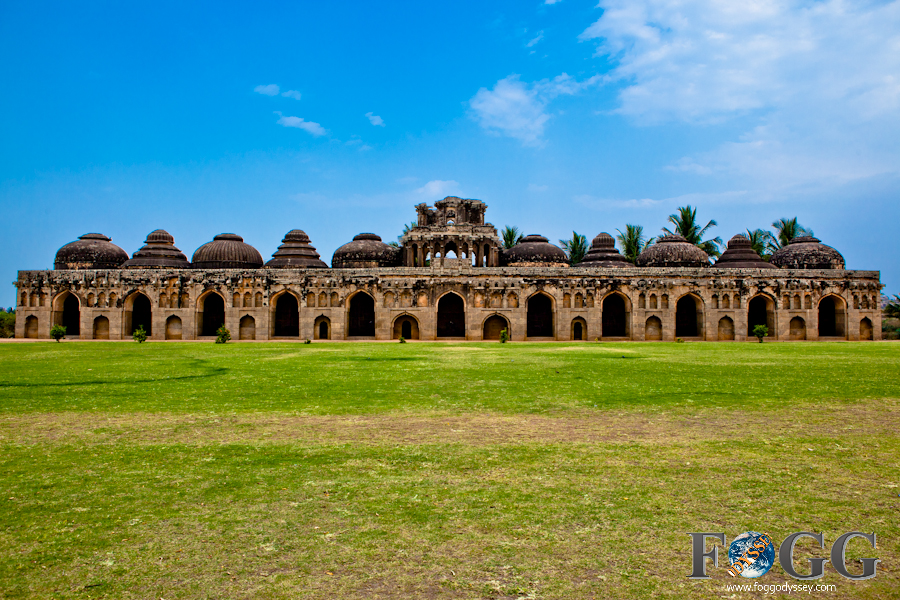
(649, 297)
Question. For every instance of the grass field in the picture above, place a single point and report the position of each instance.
(424, 470)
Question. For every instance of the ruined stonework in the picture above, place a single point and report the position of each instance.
(473, 296)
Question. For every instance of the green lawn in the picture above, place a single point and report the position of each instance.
(428, 470)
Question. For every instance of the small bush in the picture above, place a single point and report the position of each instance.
(760, 331)
(58, 332)
(679, 340)
(504, 336)
(139, 335)
(402, 340)
(308, 341)
(222, 335)
(7, 323)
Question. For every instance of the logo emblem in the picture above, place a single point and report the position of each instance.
(751, 555)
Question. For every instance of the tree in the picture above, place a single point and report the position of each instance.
(222, 335)
(785, 231)
(686, 226)
(575, 248)
(892, 308)
(58, 332)
(139, 335)
(761, 242)
(760, 331)
(632, 242)
(8, 323)
(511, 236)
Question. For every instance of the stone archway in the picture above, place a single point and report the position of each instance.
(210, 314)
(492, 327)
(361, 316)
(287, 316)
(322, 328)
(726, 329)
(761, 311)
(68, 313)
(797, 329)
(247, 328)
(866, 332)
(579, 329)
(173, 328)
(31, 327)
(832, 317)
(405, 326)
(101, 328)
(688, 317)
(140, 315)
(539, 316)
(451, 316)
(653, 329)
(615, 316)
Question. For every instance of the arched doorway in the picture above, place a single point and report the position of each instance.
(31, 327)
(726, 329)
(539, 316)
(579, 329)
(407, 327)
(493, 325)
(831, 317)
(139, 315)
(761, 311)
(615, 317)
(361, 316)
(865, 329)
(287, 316)
(653, 329)
(322, 328)
(688, 317)
(71, 315)
(797, 329)
(247, 328)
(211, 313)
(101, 328)
(173, 328)
(451, 316)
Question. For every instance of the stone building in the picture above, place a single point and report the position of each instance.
(448, 280)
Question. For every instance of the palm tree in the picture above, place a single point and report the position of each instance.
(686, 226)
(632, 241)
(785, 231)
(511, 236)
(575, 248)
(760, 241)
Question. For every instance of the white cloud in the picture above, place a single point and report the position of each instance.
(267, 90)
(516, 109)
(535, 39)
(552, 1)
(291, 94)
(533, 187)
(300, 123)
(439, 188)
(375, 119)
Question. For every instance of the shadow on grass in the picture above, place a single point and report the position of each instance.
(215, 372)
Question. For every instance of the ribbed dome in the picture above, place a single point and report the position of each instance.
(159, 251)
(227, 251)
(90, 251)
(807, 252)
(672, 251)
(741, 255)
(603, 253)
(366, 251)
(534, 251)
(295, 251)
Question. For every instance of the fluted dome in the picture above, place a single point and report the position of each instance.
(366, 251)
(672, 251)
(741, 255)
(90, 251)
(603, 253)
(227, 251)
(296, 252)
(807, 252)
(159, 251)
(534, 251)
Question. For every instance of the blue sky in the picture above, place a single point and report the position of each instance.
(337, 118)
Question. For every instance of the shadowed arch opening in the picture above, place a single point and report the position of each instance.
(761, 311)
(539, 316)
(287, 316)
(797, 329)
(361, 316)
(31, 327)
(866, 332)
(173, 328)
(405, 326)
(451, 316)
(101, 328)
(615, 316)
(322, 328)
(140, 314)
(247, 328)
(726, 329)
(653, 329)
(210, 313)
(579, 329)
(832, 317)
(492, 327)
(67, 312)
(688, 317)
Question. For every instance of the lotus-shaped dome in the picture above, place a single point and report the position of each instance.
(672, 251)
(741, 255)
(807, 252)
(159, 251)
(603, 253)
(90, 251)
(534, 251)
(366, 251)
(227, 251)
(296, 252)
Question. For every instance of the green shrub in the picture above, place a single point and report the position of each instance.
(504, 336)
(222, 335)
(139, 335)
(402, 340)
(7, 323)
(760, 331)
(308, 341)
(679, 340)
(58, 332)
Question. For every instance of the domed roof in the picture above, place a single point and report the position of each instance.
(807, 252)
(90, 251)
(534, 251)
(159, 251)
(227, 251)
(603, 253)
(672, 251)
(295, 251)
(366, 251)
(741, 255)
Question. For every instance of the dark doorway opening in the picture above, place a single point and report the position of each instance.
(540, 316)
(72, 315)
(287, 316)
(577, 333)
(760, 313)
(614, 316)
(362, 316)
(686, 317)
(141, 315)
(213, 314)
(451, 321)
(830, 318)
(406, 329)
(323, 330)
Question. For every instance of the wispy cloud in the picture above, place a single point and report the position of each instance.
(596, 203)
(375, 119)
(533, 187)
(439, 188)
(267, 90)
(291, 94)
(535, 39)
(300, 123)
(552, 1)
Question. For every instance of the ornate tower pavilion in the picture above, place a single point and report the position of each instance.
(453, 225)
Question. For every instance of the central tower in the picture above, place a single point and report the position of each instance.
(453, 225)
